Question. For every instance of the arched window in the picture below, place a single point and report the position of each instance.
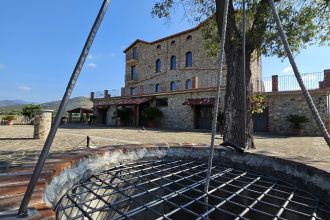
(173, 62)
(189, 37)
(173, 86)
(188, 84)
(159, 46)
(158, 65)
(157, 88)
(135, 53)
(189, 59)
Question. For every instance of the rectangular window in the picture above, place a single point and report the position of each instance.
(162, 102)
(132, 91)
(135, 53)
(133, 73)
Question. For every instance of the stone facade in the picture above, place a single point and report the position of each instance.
(175, 114)
(142, 56)
(150, 72)
(282, 104)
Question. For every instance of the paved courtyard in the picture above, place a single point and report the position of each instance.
(17, 146)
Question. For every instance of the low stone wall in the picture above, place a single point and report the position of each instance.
(304, 177)
(283, 104)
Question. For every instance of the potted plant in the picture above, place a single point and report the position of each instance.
(9, 119)
(152, 115)
(296, 122)
(125, 115)
(92, 119)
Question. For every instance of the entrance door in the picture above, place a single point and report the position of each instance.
(102, 114)
(204, 117)
(260, 121)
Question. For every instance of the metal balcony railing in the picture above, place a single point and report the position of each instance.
(289, 82)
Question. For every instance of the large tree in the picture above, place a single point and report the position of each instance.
(306, 22)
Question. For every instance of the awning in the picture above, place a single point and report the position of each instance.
(123, 102)
(201, 101)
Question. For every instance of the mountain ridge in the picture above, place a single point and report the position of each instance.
(75, 102)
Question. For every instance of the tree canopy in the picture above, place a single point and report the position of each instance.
(28, 110)
(306, 22)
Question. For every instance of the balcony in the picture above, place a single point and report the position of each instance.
(131, 78)
(131, 60)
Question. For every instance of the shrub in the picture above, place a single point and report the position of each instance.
(125, 115)
(258, 103)
(297, 120)
(9, 118)
(152, 113)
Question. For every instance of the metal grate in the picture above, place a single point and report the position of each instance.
(174, 190)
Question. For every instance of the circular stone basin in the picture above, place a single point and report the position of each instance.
(173, 189)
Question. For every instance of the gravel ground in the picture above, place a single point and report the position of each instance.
(17, 146)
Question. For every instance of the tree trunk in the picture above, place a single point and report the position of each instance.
(234, 103)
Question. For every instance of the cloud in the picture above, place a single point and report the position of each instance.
(25, 88)
(91, 65)
(2, 66)
(90, 57)
(287, 70)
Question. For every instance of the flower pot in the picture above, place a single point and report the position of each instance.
(297, 131)
(151, 124)
(11, 122)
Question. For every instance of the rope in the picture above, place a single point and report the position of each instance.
(307, 96)
(78, 144)
(244, 74)
(216, 107)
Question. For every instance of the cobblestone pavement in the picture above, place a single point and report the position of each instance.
(17, 146)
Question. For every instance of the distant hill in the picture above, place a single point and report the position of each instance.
(12, 102)
(73, 103)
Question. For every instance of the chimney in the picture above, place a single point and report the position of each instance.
(106, 93)
(275, 83)
(326, 82)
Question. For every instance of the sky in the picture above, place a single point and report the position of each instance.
(41, 40)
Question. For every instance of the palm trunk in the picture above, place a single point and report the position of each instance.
(234, 103)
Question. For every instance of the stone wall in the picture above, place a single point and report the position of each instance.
(282, 104)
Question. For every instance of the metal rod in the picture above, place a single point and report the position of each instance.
(217, 99)
(22, 212)
(307, 96)
(244, 73)
(88, 142)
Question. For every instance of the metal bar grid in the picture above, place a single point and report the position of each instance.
(174, 190)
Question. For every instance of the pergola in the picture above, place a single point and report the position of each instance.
(83, 114)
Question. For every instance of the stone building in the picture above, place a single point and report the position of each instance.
(174, 74)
